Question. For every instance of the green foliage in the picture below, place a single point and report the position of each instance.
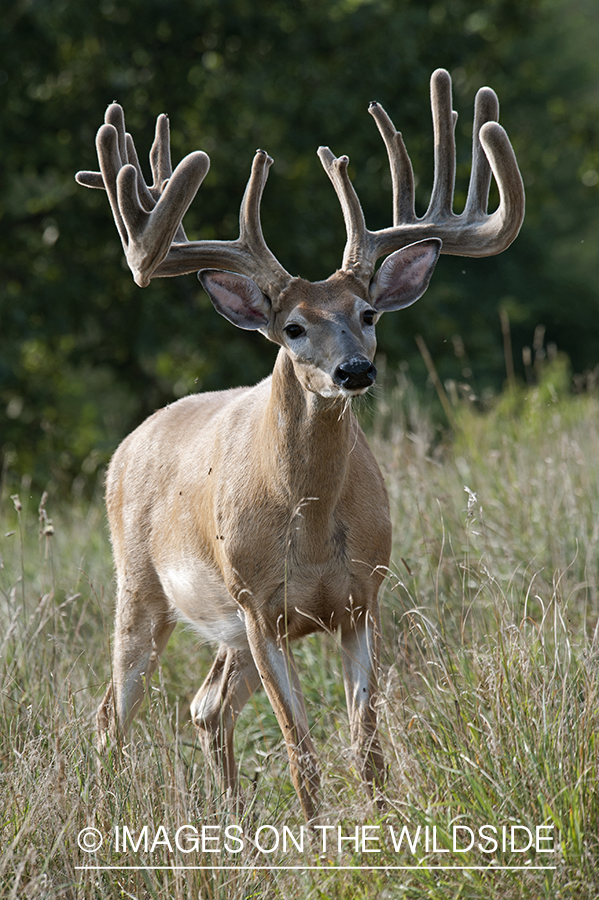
(85, 354)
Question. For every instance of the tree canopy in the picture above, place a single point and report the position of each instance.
(85, 354)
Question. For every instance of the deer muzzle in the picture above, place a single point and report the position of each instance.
(355, 374)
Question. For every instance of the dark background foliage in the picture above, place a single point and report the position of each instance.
(85, 354)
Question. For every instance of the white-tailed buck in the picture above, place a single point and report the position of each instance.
(259, 514)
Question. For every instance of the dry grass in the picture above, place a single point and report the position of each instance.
(489, 703)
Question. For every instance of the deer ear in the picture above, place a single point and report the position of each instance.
(237, 298)
(404, 276)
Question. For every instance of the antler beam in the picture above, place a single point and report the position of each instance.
(472, 233)
(148, 217)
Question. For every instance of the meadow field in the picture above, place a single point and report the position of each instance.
(489, 692)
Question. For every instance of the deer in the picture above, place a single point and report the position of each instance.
(259, 514)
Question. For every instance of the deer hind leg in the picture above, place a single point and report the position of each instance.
(278, 674)
(228, 686)
(143, 625)
(359, 652)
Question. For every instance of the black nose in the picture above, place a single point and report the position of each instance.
(355, 373)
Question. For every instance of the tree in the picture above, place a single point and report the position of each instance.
(85, 354)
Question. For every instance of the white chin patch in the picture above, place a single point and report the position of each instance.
(336, 391)
(328, 389)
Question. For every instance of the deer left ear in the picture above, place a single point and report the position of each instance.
(404, 276)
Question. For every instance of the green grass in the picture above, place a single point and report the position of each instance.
(489, 703)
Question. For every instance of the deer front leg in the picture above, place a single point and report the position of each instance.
(359, 651)
(278, 672)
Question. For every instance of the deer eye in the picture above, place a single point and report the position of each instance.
(294, 331)
(368, 317)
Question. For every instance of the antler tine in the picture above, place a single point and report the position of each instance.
(111, 162)
(486, 109)
(267, 268)
(503, 225)
(250, 226)
(155, 238)
(160, 154)
(358, 236)
(116, 117)
(161, 166)
(402, 174)
(248, 255)
(444, 122)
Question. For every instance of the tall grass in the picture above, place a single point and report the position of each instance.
(489, 703)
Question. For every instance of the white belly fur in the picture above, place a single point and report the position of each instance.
(199, 596)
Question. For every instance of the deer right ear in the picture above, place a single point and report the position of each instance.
(237, 298)
(404, 276)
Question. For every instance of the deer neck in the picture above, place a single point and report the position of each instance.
(309, 438)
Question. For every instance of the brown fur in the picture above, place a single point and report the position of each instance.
(268, 501)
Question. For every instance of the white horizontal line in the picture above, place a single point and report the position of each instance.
(323, 868)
